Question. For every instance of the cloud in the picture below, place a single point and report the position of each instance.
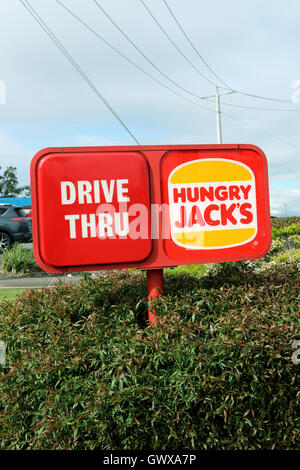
(15, 153)
(285, 201)
(284, 166)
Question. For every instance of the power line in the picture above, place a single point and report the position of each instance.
(260, 130)
(268, 98)
(56, 41)
(143, 54)
(153, 65)
(194, 47)
(39, 20)
(124, 56)
(175, 45)
(136, 65)
(252, 95)
(254, 108)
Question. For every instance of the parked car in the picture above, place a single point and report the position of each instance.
(28, 212)
(15, 226)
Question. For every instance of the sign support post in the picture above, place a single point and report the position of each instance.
(155, 286)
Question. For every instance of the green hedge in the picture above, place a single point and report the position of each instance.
(280, 222)
(85, 372)
(293, 229)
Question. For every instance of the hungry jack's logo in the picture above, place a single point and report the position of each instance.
(212, 204)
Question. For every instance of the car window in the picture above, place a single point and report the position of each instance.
(2, 210)
(20, 212)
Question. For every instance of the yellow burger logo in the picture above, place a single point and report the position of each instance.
(212, 204)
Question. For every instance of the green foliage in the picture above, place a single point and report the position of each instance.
(9, 185)
(293, 229)
(284, 221)
(19, 260)
(192, 269)
(288, 255)
(7, 294)
(286, 237)
(84, 371)
(233, 270)
(295, 239)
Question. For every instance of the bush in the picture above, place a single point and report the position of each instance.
(19, 260)
(84, 371)
(288, 255)
(284, 221)
(230, 270)
(293, 229)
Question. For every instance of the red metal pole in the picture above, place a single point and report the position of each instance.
(155, 287)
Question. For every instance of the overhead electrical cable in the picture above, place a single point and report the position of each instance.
(260, 130)
(252, 95)
(254, 108)
(52, 36)
(56, 41)
(151, 62)
(143, 54)
(124, 56)
(175, 45)
(268, 98)
(194, 47)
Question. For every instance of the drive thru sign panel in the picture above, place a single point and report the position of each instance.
(148, 206)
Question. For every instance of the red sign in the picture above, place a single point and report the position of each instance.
(148, 206)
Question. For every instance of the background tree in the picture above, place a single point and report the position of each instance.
(9, 184)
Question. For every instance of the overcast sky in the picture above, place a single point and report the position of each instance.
(252, 46)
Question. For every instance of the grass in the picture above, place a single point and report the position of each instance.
(9, 294)
(197, 270)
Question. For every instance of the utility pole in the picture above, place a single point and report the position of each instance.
(218, 112)
(218, 117)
